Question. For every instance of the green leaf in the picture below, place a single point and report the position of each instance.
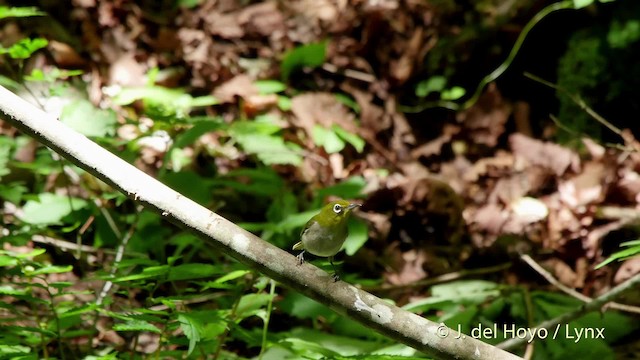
(24, 48)
(192, 271)
(31, 254)
(284, 103)
(294, 221)
(49, 209)
(356, 141)
(8, 261)
(189, 184)
(189, 3)
(10, 290)
(358, 236)
(348, 101)
(270, 149)
(51, 75)
(12, 192)
(261, 181)
(228, 277)
(302, 307)
(349, 188)
(179, 159)
(192, 328)
(621, 255)
(6, 12)
(252, 304)
(330, 345)
(152, 272)
(49, 269)
(88, 120)
(266, 125)
(328, 139)
(202, 101)
(5, 155)
(164, 101)
(311, 55)
(155, 94)
(61, 284)
(78, 310)
(9, 83)
(578, 4)
(196, 131)
(623, 33)
(136, 325)
(18, 352)
(458, 292)
(454, 93)
(270, 86)
(431, 85)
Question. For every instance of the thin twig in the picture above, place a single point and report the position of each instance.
(116, 262)
(578, 101)
(350, 73)
(555, 282)
(592, 305)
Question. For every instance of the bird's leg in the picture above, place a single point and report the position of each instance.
(335, 275)
(300, 258)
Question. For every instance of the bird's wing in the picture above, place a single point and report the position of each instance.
(307, 226)
(299, 245)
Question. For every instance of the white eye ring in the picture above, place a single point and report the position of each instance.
(337, 208)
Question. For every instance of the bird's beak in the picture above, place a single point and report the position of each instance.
(353, 206)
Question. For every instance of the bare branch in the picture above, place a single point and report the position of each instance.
(223, 235)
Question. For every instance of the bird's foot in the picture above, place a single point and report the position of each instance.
(300, 258)
(335, 277)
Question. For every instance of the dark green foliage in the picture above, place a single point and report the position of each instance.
(601, 67)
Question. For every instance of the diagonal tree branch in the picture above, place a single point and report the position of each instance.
(431, 338)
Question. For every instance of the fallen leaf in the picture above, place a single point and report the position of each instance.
(584, 188)
(485, 120)
(547, 155)
(628, 269)
(241, 86)
(322, 109)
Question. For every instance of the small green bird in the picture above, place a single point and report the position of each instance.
(324, 234)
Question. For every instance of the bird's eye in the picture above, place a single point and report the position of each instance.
(337, 208)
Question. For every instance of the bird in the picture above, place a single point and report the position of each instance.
(325, 232)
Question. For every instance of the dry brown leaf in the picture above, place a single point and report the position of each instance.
(629, 185)
(371, 116)
(226, 26)
(85, 3)
(485, 120)
(240, 85)
(585, 188)
(65, 56)
(380, 223)
(434, 147)
(628, 269)
(311, 109)
(490, 218)
(255, 104)
(564, 273)
(263, 19)
(596, 150)
(502, 161)
(402, 69)
(411, 269)
(591, 242)
(548, 155)
(126, 71)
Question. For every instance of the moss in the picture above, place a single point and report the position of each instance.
(601, 66)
